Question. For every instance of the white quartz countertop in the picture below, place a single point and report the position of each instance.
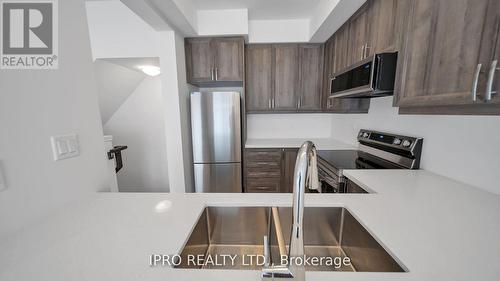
(438, 228)
(321, 144)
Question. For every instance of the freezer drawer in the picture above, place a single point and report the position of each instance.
(216, 127)
(221, 178)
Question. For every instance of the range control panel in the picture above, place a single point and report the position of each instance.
(390, 140)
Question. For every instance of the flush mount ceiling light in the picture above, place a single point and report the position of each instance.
(150, 70)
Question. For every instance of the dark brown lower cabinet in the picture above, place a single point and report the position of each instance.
(351, 187)
(269, 170)
(289, 158)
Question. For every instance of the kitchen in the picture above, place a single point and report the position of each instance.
(402, 140)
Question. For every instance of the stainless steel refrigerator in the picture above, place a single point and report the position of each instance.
(216, 130)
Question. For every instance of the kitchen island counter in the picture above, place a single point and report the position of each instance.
(438, 229)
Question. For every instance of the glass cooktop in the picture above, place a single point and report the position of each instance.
(354, 159)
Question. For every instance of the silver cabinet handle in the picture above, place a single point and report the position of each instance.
(212, 73)
(216, 74)
(366, 50)
(273, 102)
(474, 83)
(269, 103)
(363, 52)
(491, 77)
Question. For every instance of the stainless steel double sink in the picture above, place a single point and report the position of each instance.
(328, 232)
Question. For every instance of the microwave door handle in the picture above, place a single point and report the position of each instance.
(375, 62)
(489, 83)
(475, 82)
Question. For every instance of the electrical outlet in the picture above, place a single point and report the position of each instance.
(64, 147)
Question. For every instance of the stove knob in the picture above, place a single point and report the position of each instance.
(365, 135)
(360, 134)
(406, 143)
(397, 141)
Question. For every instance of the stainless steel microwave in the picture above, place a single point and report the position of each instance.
(372, 77)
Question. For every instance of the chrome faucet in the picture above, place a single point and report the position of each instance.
(305, 176)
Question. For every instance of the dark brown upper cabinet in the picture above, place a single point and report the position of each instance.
(259, 77)
(229, 59)
(386, 21)
(359, 34)
(311, 57)
(286, 76)
(214, 61)
(448, 52)
(340, 49)
(375, 28)
(199, 60)
(336, 59)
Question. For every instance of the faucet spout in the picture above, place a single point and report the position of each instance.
(305, 176)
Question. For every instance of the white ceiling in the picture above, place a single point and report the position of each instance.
(259, 21)
(263, 9)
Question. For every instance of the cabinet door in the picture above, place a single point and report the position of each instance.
(263, 170)
(341, 48)
(385, 27)
(441, 53)
(228, 59)
(289, 159)
(199, 60)
(286, 76)
(359, 32)
(259, 77)
(310, 76)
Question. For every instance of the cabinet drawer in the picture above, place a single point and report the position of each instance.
(257, 185)
(263, 164)
(263, 172)
(263, 155)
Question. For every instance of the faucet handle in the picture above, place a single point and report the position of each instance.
(312, 173)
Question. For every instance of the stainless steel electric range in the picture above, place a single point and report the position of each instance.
(377, 150)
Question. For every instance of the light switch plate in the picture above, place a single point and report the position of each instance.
(3, 182)
(64, 147)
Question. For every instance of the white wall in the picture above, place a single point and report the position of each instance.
(278, 31)
(139, 124)
(129, 36)
(289, 126)
(464, 148)
(176, 110)
(116, 32)
(215, 22)
(37, 104)
(184, 91)
(115, 84)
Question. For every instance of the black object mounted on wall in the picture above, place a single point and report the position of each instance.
(116, 152)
